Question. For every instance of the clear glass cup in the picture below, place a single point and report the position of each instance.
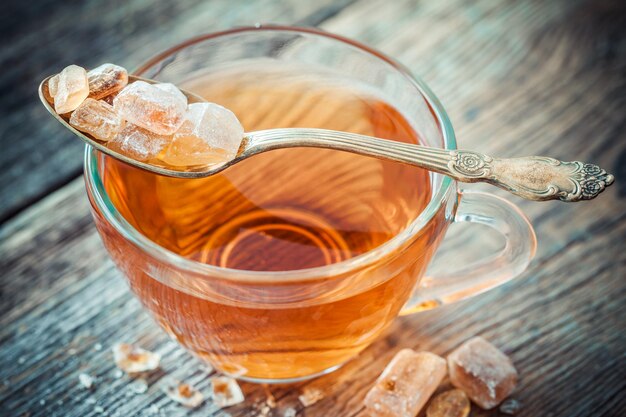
(269, 326)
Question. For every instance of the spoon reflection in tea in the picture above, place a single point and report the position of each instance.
(537, 178)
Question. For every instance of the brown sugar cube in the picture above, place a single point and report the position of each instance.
(96, 118)
(452, 403)
(157, 110)
(406, 384)
(106, 80)
(138, 143)
(183, 394)
(481, 370)
(69, 88)
(226, 391)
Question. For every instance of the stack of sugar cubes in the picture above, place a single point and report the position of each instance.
(145, 121)
(478, 370)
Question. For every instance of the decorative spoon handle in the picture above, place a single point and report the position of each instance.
(537, 178)
(532, 177)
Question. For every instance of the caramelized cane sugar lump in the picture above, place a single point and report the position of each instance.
(481, 370)
(183, 394)
(69, 88)
(96, 118)
(209, 134)
(406, 384)
(452, 403)
(106, 80)
(226, 391)
(155, 109)
(133, 359)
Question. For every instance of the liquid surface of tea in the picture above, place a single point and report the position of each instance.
(288, 209)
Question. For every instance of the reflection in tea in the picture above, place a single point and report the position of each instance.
(284, 210)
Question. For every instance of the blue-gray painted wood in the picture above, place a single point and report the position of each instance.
(523, 77)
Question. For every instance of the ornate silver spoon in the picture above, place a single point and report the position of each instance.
(533, 177)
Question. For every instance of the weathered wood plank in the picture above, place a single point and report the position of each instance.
(541, 77)
(40, 38)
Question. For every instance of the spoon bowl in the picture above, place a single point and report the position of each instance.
(170, 171)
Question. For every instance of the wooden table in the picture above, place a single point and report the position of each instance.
(517, 78)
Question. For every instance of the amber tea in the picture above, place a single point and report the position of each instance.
(285, 210)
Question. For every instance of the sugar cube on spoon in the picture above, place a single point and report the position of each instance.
(152, 108)
(138, 143)
(97, 118)
(69, 88)
(106, 79)
(142, 120)
(210, 133)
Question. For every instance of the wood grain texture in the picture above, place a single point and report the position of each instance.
(517, 78)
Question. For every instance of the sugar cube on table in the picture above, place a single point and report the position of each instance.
(481, 370)
(138, 143)
(106, 80)
(133, 359)
(406, 384)
(86, 380)
(452, 403)
(96, 118)
(226, 391)
(209, 134)
(69, 88)
(154, 109)
(310, 396)
(183, 394)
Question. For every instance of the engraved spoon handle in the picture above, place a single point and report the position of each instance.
(537, 178)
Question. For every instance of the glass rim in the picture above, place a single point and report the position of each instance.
(107, 209)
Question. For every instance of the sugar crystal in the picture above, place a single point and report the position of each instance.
(138, 143)
(53, 85)
(481, 370)
(86, 380)
(133, 359)
(226, 391)
(406, 384)
(96, 118)
(264, 411)
(209, 134)
(452, 403)
(310, 396)
(139, 386)
(109, 99)
(172, 89)
(70, 89)
(154, 109)
(106, 79)
(183, 394)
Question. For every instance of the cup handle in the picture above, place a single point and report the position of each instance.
(484, 274)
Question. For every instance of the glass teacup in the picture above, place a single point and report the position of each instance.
(350, 237)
